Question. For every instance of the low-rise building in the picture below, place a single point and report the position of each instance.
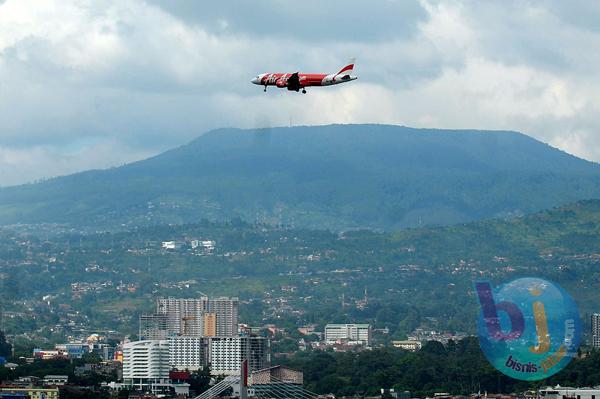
(409, 345)
(27, 381)
(74, 350)
(171, 245)
(276, 379)
(277, 374)
(55, 380)
(394, 394)
(47, 354)
(559, 392)
(31, 392)
(108, 368)
(351, 333)
(8, 395)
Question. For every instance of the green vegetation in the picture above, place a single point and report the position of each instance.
(5, 347)
(325, 177)
(459, 368)
(80, 283)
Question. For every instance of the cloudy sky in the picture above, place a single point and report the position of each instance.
(93, 84)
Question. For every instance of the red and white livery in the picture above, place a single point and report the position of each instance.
(298, 81)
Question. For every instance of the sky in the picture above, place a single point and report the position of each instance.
(96, 84)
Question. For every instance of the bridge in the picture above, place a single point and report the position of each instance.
(276, 389)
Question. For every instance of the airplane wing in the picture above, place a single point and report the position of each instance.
(293, 82)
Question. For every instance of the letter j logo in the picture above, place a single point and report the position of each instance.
(529, 328)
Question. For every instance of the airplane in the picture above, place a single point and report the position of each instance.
(298, 81)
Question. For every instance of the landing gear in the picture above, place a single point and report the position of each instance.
(265, 90)
(303, 91)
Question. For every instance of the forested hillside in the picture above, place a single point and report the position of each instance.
(321, 177)
(417, 277)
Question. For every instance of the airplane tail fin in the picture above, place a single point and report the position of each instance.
(347, 70)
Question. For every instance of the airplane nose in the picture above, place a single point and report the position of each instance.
(256, 80)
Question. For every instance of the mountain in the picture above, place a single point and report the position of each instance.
(337, 176)
(413, 276)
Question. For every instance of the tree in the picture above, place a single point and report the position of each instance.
(200, 380)
(5, 347)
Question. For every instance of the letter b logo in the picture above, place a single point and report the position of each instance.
(490, 311)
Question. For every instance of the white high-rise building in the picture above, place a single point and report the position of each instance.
(227, 353)
(358, 333)
(596, 330)
(146, 365)
(186, 353)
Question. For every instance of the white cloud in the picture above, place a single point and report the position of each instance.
(127, 78)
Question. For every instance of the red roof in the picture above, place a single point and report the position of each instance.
(179, 375)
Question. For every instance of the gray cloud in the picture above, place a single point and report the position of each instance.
(87, 85)
(327, 22)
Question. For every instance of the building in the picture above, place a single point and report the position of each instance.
(276, 374)
(31, 393)
(226, 311)
(351, 333)
(596, 330)
(559, 392)
(55, 380)
(153, 327)
(171, 245)
(105, 351)
(210, 325)
(48, 354)
(393, 394)
(276, 379)
(409, 345)
(307, 330)
(107, 369)
(225, 354)
(207, 245)
(27, 381)
(187, 353)
(258, 352)
(71, 350)
(8, 395)
(74, 350)
(146, 365)
(186, 316)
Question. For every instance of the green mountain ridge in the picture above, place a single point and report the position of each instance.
(335, 177)
(412, 276)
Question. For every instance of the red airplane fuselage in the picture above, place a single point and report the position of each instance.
(298, 81)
